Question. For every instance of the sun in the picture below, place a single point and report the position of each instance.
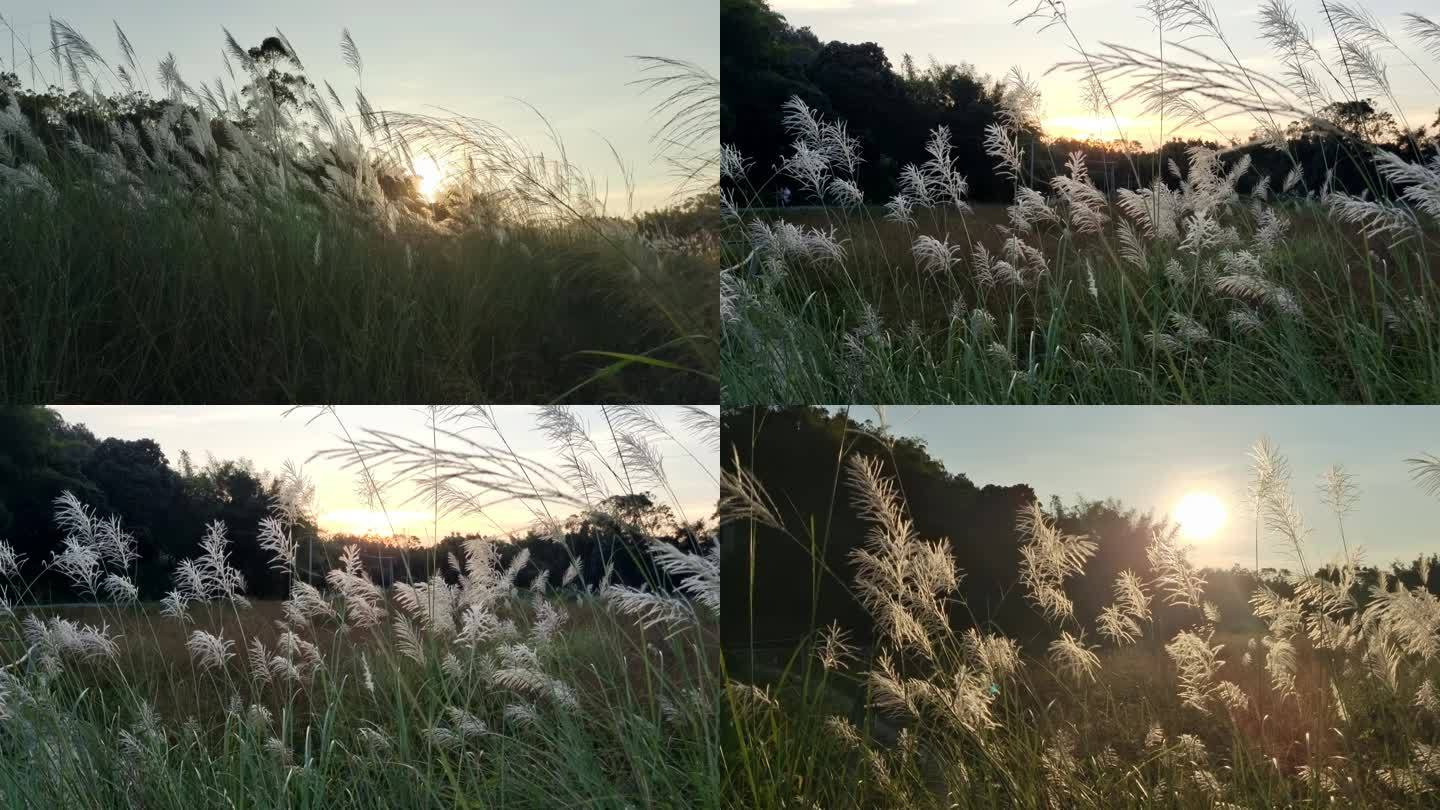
(431, 176)
(1200, 515)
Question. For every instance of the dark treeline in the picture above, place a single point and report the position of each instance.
(793, 452)
(166, 509)
(892, 110)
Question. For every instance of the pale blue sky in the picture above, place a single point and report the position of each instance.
(1150, 457)
(982, 33)
(266, 435)
(568, 59)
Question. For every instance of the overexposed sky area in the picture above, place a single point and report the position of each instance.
(1150, 458)
(269, 437)
(570, 60)
(984, 33)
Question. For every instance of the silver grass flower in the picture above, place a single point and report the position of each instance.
(1425, 471)
(1099, 344)
(1197, 666)
(1175, 576)
(81, 563)
(939, 171)
(834, 649)
(1117, 626)
(1426, 697)
(209, 651)
(443, 738)
(902, 580)
(845, 730)
(934, 256)
(175, 606)
(364, 601)
(846, 193)
(259, 658)
(901, 210)
(407, 639)
(469, 726)
(1245, 321)
(733, 164)
(1000, 146)
(916, 187)
(1047, 557)
(524, 715)
(10, 562)
(54, 639)
(997, 657)
(1073, 658)
(306, 604)
(121, 589)
(1085, 202)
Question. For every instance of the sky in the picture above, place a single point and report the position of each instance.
(983, 33)
(266, 435)
(570, 60)
(1152, 457)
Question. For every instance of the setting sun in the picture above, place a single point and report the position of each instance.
(431, 176)
(1200, 515)
(365, 522)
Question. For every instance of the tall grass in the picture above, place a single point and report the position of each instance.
(1332, 704)
(459, 691)
(1184, 291)
(206, 246)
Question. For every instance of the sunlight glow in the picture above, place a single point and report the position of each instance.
(431, 176)
(1200, 515)
(366, 522)
(1083, 127)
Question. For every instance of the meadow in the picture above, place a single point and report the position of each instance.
(268, 241)
(1317, 689)
(1234, 274)
(463, 689)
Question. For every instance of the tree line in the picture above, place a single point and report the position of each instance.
(793, 586)
(166, 508)
(892, 111)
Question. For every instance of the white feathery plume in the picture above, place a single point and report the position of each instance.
(1073, 657)
(1047, 557)
(209, 651)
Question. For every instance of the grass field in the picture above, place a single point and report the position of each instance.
(196, 248)
(560, 702)
(840, 305)
(460, 690)
(149, 727)
(1324, 695)
(175, 304)
(1183, 291)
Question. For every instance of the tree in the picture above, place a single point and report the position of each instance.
(40, 457)
(139, 487)
(275, 97)
(638, 511)
(1360, 120)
